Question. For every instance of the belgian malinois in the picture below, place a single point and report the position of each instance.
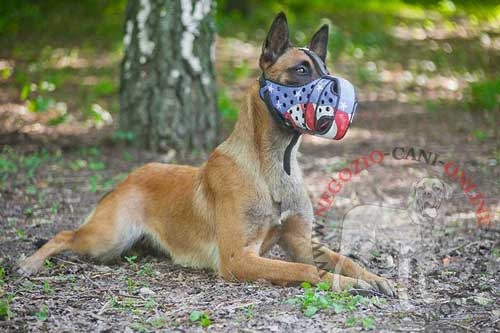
(231, 210)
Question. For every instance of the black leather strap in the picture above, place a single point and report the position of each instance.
(288, 153)
(318, 63)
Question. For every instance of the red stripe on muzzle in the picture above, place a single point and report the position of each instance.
(310, 116)
(342, 122)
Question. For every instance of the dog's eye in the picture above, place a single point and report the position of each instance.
(301, 69)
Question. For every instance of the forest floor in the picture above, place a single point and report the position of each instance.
(413, 74)
(454, 283)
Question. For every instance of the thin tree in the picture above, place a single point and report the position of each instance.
(168, 96)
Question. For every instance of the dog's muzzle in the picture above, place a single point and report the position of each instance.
(324, 107)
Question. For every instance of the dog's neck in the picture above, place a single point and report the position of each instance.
(258, 136)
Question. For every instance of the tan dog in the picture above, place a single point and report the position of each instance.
(231, 210)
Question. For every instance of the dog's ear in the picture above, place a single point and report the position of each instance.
(319, 42)
(276, 43)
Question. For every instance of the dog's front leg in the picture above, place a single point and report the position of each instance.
(296, 240)
(248, 266)
(240, 260)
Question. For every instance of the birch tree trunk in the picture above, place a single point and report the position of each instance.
(167, 95)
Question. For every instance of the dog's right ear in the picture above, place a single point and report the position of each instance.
(319, 42)
(276, 43)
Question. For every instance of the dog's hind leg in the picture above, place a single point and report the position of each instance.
(112, 228)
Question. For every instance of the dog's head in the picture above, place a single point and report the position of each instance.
(428, 194)
(297, 87)
(285, 64)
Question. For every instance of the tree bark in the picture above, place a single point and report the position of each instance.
(167, 94)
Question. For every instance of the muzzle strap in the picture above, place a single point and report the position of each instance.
(279, 121)
(288, 152)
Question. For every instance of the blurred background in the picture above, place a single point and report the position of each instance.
(61, 59)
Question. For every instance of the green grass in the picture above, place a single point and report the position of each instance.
(5, 311)
(367, 323)
(320, 298)
(43, 314)
(200, 317)
(485, 95)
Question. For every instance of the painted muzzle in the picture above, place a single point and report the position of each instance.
(324, 107)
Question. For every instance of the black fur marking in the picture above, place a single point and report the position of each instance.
(38, 243)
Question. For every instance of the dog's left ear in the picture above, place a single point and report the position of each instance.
(276, 43)
(319, 42)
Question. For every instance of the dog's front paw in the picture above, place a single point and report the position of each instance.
(28, 267)
(382, 285)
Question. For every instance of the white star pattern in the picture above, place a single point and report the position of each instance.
(270, 89)
(278, 105)
(342, 106)
(298, 93)
(319, 86)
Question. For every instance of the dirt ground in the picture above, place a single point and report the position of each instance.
(451, 282)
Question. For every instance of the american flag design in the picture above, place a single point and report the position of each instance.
(324, 107)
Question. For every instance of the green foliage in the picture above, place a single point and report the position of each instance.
(124, 136)
(2, 276)
(98, 183)
(131, 260)
(105, 88)
(43, 314)
(58, 120)
(96, 165)
(159, 322)
(40, 104)
(6, 167)
(97, 114)
(319, 298)
(127, 156)
(139, 327)
(485, 95)
(249, 311)
(20, 232)
(5, 312)
(131, 285)
(77, 164)
(146, 270)
(20, 22)
(48, 264)
(226, 107)
(200, 317)
(367, 322)
(47, 288)
(90, 152)
(480, 135)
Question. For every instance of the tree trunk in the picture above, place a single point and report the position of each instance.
(168, 96)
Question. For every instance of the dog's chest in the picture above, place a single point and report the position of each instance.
(280, 196)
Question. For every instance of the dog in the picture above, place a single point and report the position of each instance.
(392, 225)
(227, 213)
(425, 203)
